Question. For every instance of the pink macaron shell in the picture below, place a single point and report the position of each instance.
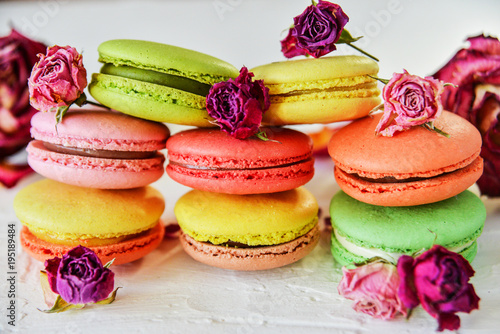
(253, 181)
(94, 172)
(102, 130)
(211, 160)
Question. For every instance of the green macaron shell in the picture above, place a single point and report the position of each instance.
(166, 59)
(453, 222)
(158, 78)
(149, 101)
(345, 258)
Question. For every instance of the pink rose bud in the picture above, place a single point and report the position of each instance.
(373, 288)
(409, 100)
(58, 79)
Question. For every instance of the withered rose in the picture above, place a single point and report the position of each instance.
(476, 73)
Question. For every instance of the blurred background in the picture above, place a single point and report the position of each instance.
(419, 36)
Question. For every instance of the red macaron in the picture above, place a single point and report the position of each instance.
(211, 160)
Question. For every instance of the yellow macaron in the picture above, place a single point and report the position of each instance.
(321, 90)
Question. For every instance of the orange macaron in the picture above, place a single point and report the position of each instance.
(413, 167)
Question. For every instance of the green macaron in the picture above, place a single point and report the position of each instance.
(362, 231)
(156, 81)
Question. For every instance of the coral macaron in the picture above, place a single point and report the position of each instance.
(211, 160)
(97, 149)
(417, 166)
(116, 224)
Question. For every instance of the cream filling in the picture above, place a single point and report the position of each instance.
(374, 252)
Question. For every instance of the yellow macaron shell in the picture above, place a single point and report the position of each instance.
(321, 90)
(254, 220)
(64, 212)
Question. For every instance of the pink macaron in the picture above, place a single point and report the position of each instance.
(211, 160)
(97, 149)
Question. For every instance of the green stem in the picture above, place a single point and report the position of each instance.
(362, 51)
(96, 104)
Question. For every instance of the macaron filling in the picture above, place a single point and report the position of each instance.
(371, 252)
(85, 240)
(107, 154)
(188, 166)
(158, 78)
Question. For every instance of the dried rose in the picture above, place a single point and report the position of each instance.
(373, 287)
(58, 80)
(17, 57)
(439, 280)
(315, 31)
(476, 97)
(237, 105)
(79, 277)
(409, 100)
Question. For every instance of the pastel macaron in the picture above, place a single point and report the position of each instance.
(116, 224)
(97, 149)
(362, 231)
(322, 90)
(157, 81)
(211, 160)
(413, 167)
(248, 232)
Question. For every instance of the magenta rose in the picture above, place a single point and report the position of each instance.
(17, 57)
(373, 287)
(237, 105)
(409, 100)
(79, 277)
(315, 31)
(58, 79)
(439, 280)
(476, 73)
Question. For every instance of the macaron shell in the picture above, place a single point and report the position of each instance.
(70, 212)
(417, 152)
(345, 258)
(211, 160)
(243, 182)
(149, 101)
(430, 190)
(322, 110)
(166, 59)
(123, 252)
(453, 222)
(255, 220)
(94, 172)
(256, 258)
(97, 129)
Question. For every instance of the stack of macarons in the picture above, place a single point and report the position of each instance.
(249, 210)
(98, 166)
(402, 194)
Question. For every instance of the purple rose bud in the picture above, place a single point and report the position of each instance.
(58, 79)
(80, 277)
(476, 73)
(315, 31)
(439, 280)
(237, 105)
